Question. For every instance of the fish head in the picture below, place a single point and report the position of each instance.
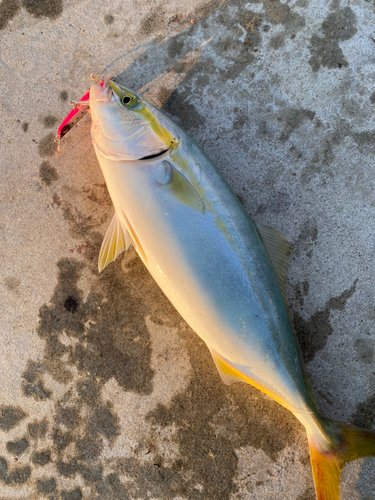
(125, 126)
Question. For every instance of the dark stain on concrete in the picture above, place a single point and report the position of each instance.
(115, 354)
(10, 416)
(8, 9)
(47, 173)
(16, 475)
(47, 146)
(175, 47)
(41, 458)
(365, 140)
(280, 13)
(12, 284)
(178, 105)
(301, 290)
(325, 51)
(71, 304)
(63, 95)
(46, 486)
(38, 429)
(307, 239)
(25, 126)
(277, 41)
(44, 8)
(32, 385)
(109, 19)
(292, 119)
(38, 8)
(154, 22)
(364, 348)
(364, 415)
(313, 333)
(17, 447)
(50, 121)
(372, 98)
(75, 494)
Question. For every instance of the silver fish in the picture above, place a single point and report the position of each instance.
(224, 274)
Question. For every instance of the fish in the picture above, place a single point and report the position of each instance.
(223, 273)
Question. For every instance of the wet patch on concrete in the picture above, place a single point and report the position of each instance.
(117, 354)
(313, 333)
(38, 429)
(364, 415)
(46, 486)
(47, 146)
(109, 19)
(15, 475)
(44, 8)
(75, 494)
(154, 22)
(41, 458)
(325, 51)
(12, 284)
(17, 447)
(8, 9)
(10, 416)
(32, 384)
(178, 105)
(301, 291)
(364, 348)
(47, 173)
(292, 119)
(365, 140)
(49, 121)
(63, 96)
(38, 8)
(307, 239)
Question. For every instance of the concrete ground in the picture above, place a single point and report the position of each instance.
(106, 392)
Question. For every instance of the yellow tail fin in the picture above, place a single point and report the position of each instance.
(346, 443)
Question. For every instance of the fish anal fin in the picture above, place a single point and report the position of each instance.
(115, 241)
(228, 373)
(134, 238)
(178, 186)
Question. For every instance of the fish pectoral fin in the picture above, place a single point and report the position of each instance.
(177, 185)
(115, 241)
(278, 250)
(228, 374)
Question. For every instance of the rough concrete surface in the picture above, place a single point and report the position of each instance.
(106, 392)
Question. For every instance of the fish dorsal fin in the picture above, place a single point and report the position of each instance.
(278, 250)
(176, 184)
(228, 374)
(115, 241)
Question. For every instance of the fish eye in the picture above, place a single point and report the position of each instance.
(128, 99)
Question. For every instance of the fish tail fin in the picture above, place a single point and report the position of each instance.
(328, 457)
